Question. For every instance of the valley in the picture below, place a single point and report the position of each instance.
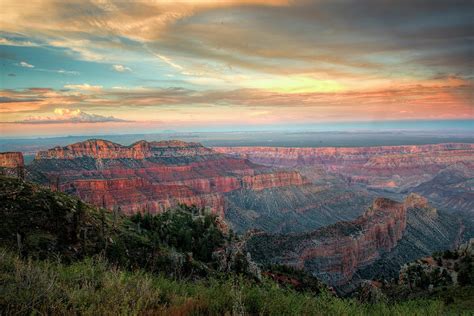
(342, 214)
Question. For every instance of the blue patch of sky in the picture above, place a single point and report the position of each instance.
(146, 71)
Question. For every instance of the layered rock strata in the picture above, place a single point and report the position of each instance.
(153, 176)
(11, 160)
(334, 253)
(380, 167)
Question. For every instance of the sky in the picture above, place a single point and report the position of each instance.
(85, 67)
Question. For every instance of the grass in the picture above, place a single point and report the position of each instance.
(93, 287)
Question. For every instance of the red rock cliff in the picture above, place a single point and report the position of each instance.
(139, 195)
(272, 180)
(11, 160)
(152, 176)
(334, 253)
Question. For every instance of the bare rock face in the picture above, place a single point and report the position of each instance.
(11, 160)
(334, 253)
(358, 243)
(153, 176)
(139, 195)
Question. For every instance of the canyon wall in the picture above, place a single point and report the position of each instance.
(102, 149)
(272, 180)
(384, 166)
(334, 253)
(153, 176)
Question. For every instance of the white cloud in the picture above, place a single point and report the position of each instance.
(26, 65)
(80, 47)
(67, 72)
(62, 115)
(121, 68)
(10, 42)
(83, 87)
(169, 61)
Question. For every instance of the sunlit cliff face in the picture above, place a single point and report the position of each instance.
(82, 66)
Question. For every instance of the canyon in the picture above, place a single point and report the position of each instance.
(335, 212)
(154, 176)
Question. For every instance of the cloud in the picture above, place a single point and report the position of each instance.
(13, 42)
(26, 65)
(66, 72)
(207, 38)
(83, 48)
(442, 98)
(62, 115)
(121, 68)
(16, 100)
(307, 59)
(83, 87)
(169, 61)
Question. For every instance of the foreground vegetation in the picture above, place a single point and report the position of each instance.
(93, 287)
(59, 255)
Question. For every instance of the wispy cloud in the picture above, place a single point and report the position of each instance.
(13, 42)
(169, 61)
(83, 87)
(83, 48)
(26, 65)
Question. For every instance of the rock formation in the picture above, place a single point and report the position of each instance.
(11, 160)
(334, 253)
(153, 176)
(12, 164)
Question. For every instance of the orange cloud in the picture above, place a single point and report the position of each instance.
(445, 99)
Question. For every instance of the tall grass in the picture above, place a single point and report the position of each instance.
(92, 287)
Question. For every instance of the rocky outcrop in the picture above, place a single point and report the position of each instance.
(357, 243)
(334, 253)
(11, 160)
(416, 201)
